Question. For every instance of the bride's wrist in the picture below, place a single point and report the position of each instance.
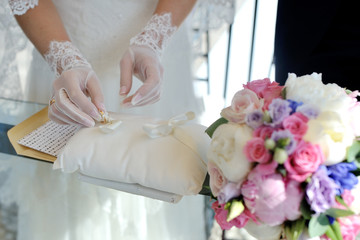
(63, 56)
(156, 34)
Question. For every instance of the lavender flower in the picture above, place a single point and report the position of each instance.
(321, 191)
(255, 119)
(285, 134)
(308, 111)
(342, 176)
(229, 191)
(278, 110)
(294, 105)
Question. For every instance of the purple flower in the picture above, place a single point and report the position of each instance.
(308, 111)
(342, 176)
(229, 191)
(255, 119)
(321, 191)
(294, 105)
(285, 134)
(278, 110)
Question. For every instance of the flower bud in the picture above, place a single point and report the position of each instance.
(267, 117)
(270, 144)
(280, 155)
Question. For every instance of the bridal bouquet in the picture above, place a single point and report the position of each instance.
(284, 160)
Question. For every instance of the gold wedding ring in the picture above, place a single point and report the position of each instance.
(52, 101)
(104, 117)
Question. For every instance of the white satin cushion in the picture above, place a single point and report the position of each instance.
(175, 163)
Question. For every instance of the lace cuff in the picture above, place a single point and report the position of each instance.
(20, 7)
(156, 33)
(63, 56)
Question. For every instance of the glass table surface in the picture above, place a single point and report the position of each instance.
(13, 112)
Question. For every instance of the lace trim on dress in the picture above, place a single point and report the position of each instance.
(13, 43)
(63, 56)
(20, 7)
(156, 33)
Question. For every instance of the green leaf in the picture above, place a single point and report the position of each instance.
(294, 229)
(334, 231)
(211, 129)
(341, 201)
(227, 206)
(283, 93)
(353, 152)
(318, 225)
(337, 212)
(283, 142)
(357, 171)
(305, 209)
(236, 208)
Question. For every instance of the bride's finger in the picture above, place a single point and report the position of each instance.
(66, 106)
(58, 117)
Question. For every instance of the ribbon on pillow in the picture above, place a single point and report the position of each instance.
(166, 128)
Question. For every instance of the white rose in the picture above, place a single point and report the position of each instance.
(309, 89)
(332, 135)
(305, 88)
(355, 120)
(226, 150)
(263, 231)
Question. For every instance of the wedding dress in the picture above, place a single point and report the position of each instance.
(53, 205)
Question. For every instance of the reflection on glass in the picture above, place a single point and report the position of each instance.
(13, 112)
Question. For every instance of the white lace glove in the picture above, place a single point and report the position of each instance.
(20, 7)
(75, 83)
(143, 60)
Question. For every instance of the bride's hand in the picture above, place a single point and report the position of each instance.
(142, 59)
(76, 93)
(70, 103)
(75, 79)
(145, 64)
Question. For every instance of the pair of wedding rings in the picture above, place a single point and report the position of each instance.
(52, 101)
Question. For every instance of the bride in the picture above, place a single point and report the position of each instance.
(84, 43)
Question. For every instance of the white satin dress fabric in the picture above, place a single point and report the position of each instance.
(54, 205)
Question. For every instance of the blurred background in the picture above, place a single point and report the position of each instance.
(232, 45)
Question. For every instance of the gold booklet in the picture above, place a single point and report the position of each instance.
(24, 128)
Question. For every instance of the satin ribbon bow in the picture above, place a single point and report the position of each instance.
(166, 128)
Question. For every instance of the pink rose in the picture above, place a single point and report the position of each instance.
(243, 103)
(347, 197)
(255, 151)
(217, 179)
(221, 216)
(272, 199)
(265, 89)
(304, 161)
(350, 227)
(296, 124)
(264, 132)
(258, 86)
(271, 92)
